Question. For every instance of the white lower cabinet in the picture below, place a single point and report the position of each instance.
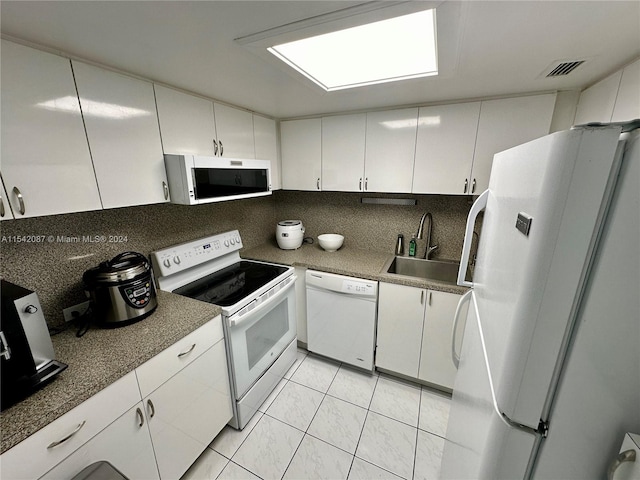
(414, 333)
(399, 334)
(125, 444)
(188, 411)
(436, 364)
(158, 436)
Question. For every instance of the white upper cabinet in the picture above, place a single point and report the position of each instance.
(186, 123)
(234, 130)
(122, 128)
(5, 208)
(596, 102)
(343, 143)
(196, 126)
(627, 106)
(46, 165)
(444, 148)
(503, 124)
(390, 150)
(266, 140)
(301, 154)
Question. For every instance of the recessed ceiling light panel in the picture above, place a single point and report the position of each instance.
(395, 49)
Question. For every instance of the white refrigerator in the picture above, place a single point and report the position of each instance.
(548, 378)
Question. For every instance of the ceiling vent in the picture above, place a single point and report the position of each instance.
(560, 69)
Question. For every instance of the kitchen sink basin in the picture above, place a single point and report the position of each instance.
(437, 270)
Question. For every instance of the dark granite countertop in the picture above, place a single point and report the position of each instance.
(347, 261)
(98, 359)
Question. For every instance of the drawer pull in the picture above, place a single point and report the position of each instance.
(180, 355)
(18, 194)
(140, 416)
(62, 440)
(152, 411)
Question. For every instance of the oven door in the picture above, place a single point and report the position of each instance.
(257, 337)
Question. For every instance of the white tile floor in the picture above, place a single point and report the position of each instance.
(327, 421)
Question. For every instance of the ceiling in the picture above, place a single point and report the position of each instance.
(487, 48)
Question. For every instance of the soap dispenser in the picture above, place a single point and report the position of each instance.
(400, 245)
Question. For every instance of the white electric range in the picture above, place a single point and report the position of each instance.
(258, 311)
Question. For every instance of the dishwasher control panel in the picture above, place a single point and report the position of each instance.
(358, 288)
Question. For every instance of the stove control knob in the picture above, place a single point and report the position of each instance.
(176, 260)
(226, 243)
(233, 241)
(238, 239)
(167, 262)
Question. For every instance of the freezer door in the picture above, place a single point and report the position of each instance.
(544, 209)
(479, 443)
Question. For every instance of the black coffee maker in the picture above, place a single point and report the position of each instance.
(26, 352)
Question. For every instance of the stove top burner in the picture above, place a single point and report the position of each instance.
(230, 285)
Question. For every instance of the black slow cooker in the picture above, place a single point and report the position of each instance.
(121, 289)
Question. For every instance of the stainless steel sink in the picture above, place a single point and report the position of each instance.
(439, 271)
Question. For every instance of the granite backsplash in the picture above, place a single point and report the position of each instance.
(54, 267)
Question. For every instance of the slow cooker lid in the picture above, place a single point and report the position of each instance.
(125, 266)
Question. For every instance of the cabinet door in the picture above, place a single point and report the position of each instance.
(436, 364)
(188, 411)
(399, 335)
(5, 207)
(390, 150)
(125, 444)
(266, 139)
(504, 124)
(122, 127)
(45, 156)
(343, 139)
(627, 106)
(234, 128)
(186, 123)
(596, 102)
(46, 448)
(301, 154)
(444, 148)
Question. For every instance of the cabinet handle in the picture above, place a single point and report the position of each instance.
(430, 298)
(473, 186)
(359, 186)
(466, 185)
(165, 187)
(221, 147)
(366, 182)
(626, 456)
(62, 440)
(17, 193)
(318, 183)
(140, 416)
(150, 406)
(187, 352)
(1, 207)
(422, 297)
(215, 148)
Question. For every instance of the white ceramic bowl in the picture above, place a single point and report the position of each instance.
(330, 241)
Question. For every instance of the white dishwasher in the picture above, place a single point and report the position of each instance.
(341, 317)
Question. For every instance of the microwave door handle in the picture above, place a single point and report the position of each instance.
(236, 319)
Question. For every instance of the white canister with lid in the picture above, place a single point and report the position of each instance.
(289, 234)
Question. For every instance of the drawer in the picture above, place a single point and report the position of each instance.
(36, 455)
(167, 363)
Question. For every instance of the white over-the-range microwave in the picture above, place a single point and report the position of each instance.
(194, 180)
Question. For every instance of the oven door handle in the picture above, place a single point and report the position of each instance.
(238, 318)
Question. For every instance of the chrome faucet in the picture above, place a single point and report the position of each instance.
(429, 248)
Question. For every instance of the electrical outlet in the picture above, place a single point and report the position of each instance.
(71, 313)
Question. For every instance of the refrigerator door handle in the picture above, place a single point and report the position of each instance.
(478, 206)
(454, 355)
